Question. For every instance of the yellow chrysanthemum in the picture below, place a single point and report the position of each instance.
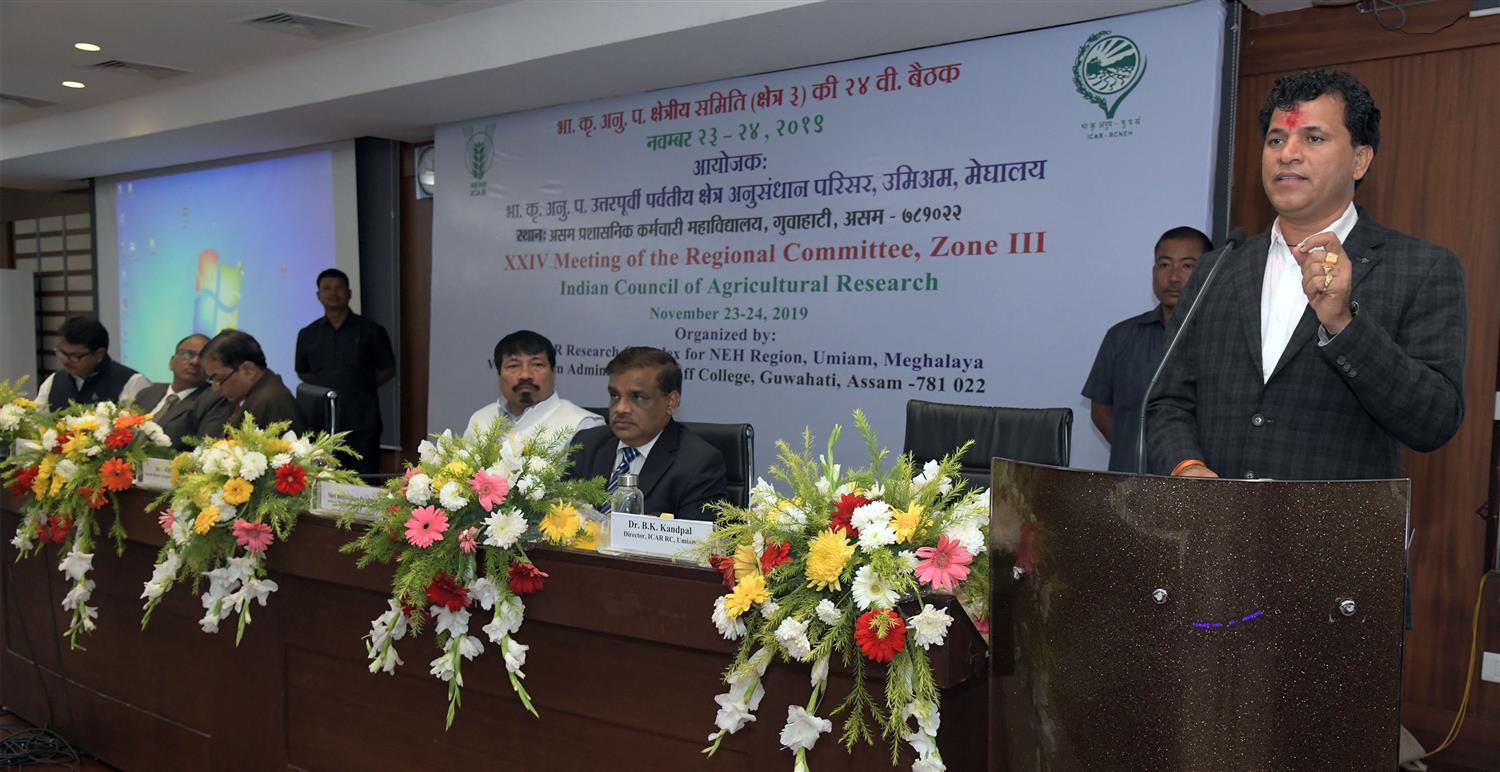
(178, 462)
(458, 470)
(86, 425)
(44, 469)
(746, 562)
(206, 519)
(227, 442)
(438, 483)
(77, 443)
(203, 496)
(237, 491)
(827, 554)
(39, 485)
(588, 538)
(560, 523)
(57, 486)
(29, 404)
(905, 521)
(278, 445)
(746, 593)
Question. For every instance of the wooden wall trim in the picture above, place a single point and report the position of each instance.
(1317, 37)
(416, 306)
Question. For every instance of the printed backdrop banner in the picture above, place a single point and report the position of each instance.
(956, 224)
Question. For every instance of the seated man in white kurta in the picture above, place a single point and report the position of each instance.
(527, 367)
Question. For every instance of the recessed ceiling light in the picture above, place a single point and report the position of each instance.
(86, 46)
(72, 84)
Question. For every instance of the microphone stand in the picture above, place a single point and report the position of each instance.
(1236, 237)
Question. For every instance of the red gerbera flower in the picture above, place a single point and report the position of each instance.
(291, 479)
(93, 498)
(875, 644)
(22, 485)
(773, 556)
(446, 591)
(55, 530)
(117, 474)
(119, 438)
(725, 565)
(525, 578)
(843, 510)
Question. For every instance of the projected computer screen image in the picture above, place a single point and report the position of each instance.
(236, 246)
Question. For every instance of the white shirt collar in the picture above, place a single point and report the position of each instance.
(505, 409)
(1340, 227)
(645, 449)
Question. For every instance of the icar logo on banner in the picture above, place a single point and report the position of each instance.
(479, 154)
(1108, 67)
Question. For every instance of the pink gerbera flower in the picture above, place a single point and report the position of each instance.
(255, 537)
(466, 540)
(943, 565)
(491, 488)
(426, 526)
(165, 521)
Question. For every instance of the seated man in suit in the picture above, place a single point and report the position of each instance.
(185, 408)
(236, 368)
(88, 375)
(679, 472)
(526, 364)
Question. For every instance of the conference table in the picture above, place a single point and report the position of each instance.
(623, 668)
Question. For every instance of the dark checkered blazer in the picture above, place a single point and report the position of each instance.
(1342, 411)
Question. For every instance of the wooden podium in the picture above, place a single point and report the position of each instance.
(623, 666)
(1159, 623)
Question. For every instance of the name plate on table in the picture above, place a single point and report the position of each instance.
(335, 499)
(156, 474)
(656, 536)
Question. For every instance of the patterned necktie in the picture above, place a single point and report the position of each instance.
(629, 454)
(167, 406)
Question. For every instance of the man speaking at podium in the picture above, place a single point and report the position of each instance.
(1327, 342)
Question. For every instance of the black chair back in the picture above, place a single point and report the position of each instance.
(1035, 435)
(319, 406)
(737, 443)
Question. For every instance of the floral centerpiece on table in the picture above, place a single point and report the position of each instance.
(20, 416)
(828, 570)
(455, 525)
(81, 461)
(231, 498)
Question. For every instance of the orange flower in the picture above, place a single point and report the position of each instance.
(129, 420)
(117, 474)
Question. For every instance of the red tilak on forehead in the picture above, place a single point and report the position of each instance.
(1291, 118)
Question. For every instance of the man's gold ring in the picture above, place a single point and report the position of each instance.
(1330, 257)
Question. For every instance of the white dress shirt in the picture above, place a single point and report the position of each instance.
(640, 460)
(162, 405)
(1282, 300)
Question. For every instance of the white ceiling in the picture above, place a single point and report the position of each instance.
(419, 63)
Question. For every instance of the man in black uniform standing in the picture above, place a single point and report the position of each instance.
(352, 355)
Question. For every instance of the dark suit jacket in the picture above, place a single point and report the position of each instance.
(200, 414)
(1339, 411)
(682, 474)
(269, 401)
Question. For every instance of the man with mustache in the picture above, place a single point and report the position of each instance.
(526, 364)
(1132, 349)
(1326, 343)
(678, 471)
(186, 407)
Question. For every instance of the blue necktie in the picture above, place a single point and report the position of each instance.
(629, 454)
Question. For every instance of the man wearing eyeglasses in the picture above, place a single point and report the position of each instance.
(236, 370)
(185, 407)
(678, 471)
(88, 374)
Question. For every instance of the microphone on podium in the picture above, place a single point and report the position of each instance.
(1235, 238)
